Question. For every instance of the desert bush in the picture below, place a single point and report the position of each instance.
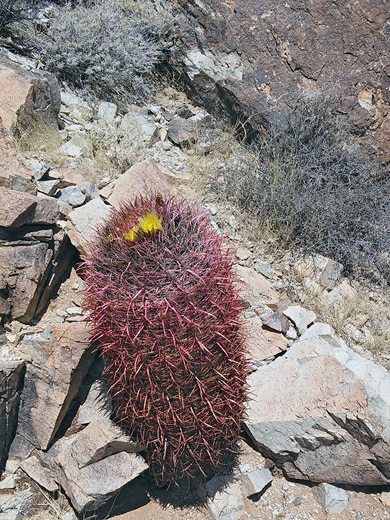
(15, 11)
(110, 47)
(122, 151)
(311, 188)
(165, 313)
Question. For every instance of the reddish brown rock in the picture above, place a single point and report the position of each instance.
(320, 412)
(27, 98)
(142, 178)
(69, 177)
(254, 286)
(24, 270)
(263, 344)
(252, 60)
(14, 174)
(18, 209)
(58, 361)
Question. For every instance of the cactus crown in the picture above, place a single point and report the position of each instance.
(165, 313)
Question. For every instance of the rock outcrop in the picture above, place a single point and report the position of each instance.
(34, 253)
(58, 360)
(93, 465)
(27, 98)
(321, 412)
(252, 60)
(83, 223)
(14, 174)
(11, 383)
(144, 177)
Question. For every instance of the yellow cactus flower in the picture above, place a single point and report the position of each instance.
(150, 223)
(132, 235)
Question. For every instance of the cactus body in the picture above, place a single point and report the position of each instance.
(165, 312)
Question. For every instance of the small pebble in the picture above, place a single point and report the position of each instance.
(243, 253)
(74, 311)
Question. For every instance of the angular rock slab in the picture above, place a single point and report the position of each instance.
(18, 209)
(331, 498)
(27, 97)
(11, 382)
(100, 440)
(225, 500)
(24, 270)
(14, 174)
(254, 482)
(34, 254)
(300, 317)
(142, 178)
(35, 469)
(59, 360)
(321, 412)
(97, 406)
(83, 223)
(262, 344)
(254, 286)
(94, 466)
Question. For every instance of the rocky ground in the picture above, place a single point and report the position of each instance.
(316, 440)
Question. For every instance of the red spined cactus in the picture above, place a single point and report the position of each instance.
(165, 312)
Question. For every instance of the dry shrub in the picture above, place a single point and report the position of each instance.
(109, 47)
(15, 11)
(314, 192)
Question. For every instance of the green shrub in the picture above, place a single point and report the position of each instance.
(109, 47)
(313, 189)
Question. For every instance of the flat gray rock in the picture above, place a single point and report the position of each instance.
(224, 498)
(73, 196)
(331, 498)
(48, 187)
(254, 482)
(276, 322)
(264, 269)
(107, 111)
(139, 127)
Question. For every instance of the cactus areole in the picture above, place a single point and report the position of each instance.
(165, 313)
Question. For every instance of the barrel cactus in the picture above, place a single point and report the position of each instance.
(165, 314)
